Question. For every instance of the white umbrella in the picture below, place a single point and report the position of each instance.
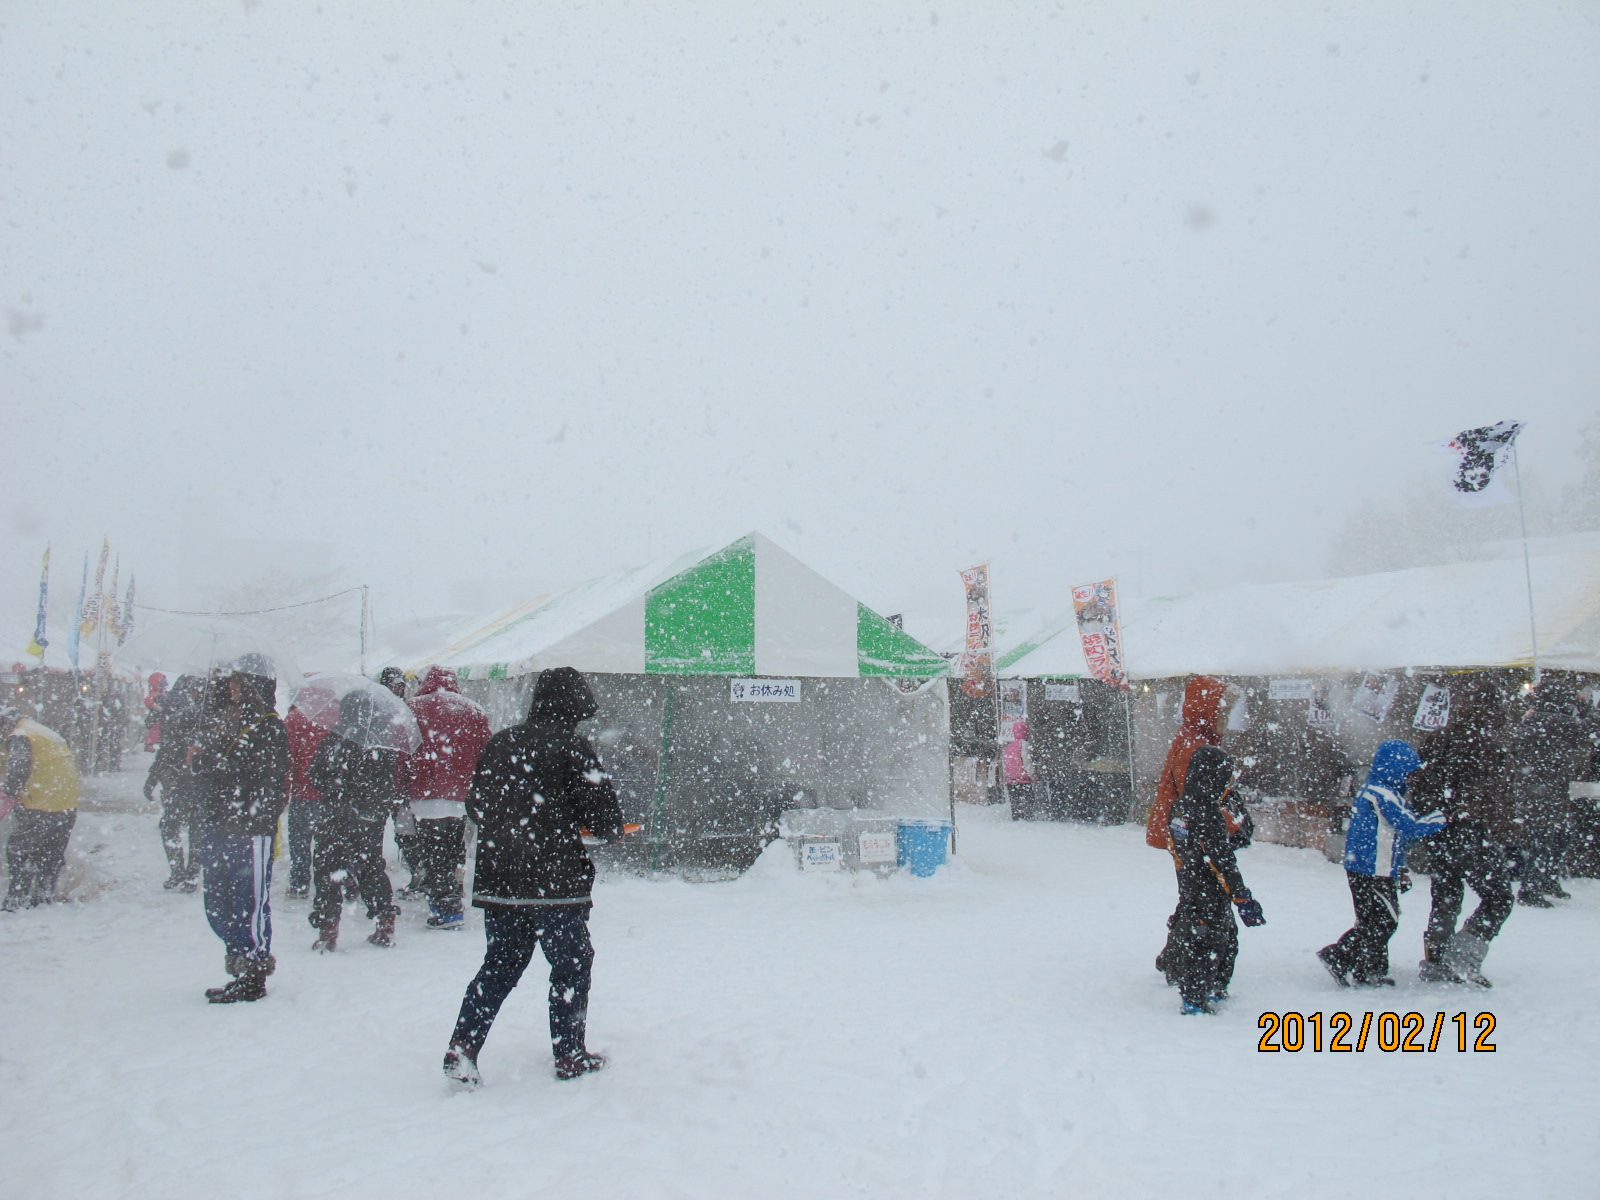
(385, 724)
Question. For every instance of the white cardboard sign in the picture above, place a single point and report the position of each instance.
(820, 856)
(878, 847)
(785, 691)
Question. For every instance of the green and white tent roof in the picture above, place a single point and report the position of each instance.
(750, 608)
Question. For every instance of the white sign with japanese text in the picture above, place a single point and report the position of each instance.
(785, 691)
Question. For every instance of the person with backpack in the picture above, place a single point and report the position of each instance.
(1203, 941)
(1381, 825)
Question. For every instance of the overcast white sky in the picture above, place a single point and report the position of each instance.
(462, 290)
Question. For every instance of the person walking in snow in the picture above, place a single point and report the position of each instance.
(1466, 775)
(305, 738)
(454, 732)
(536, 787)
(1203, 941)
(1549, 749)
(1200, 724)
(407, 838)
(1381, 824)
(39, 783)
(178, 714)
(241, 764)
(355, 777)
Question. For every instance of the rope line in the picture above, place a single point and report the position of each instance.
(244, 612)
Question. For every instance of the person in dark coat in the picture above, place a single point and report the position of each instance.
(1549, 749)
(1203, 941)
(1466, 775)
(356, 780)
(241, 764)
(178, 713)
(1381, 825)
(536, 786)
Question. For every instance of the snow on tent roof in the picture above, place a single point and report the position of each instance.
(750, 608)
(1467, 614)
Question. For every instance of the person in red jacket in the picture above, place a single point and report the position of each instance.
(304, 738)
(454, 732)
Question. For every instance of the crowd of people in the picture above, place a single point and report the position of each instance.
(1487, 795)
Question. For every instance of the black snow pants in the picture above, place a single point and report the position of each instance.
(1363, 950)
(179, 812)
(1463, 853)
(562, 931)
(35, 854)
(1203, 938)
(348, 856)
(442, 847)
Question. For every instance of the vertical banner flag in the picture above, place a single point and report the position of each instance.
(40, 641)
(1098, 626)
(114, 604)
(127, 612)
(76, 633)
(976, 665)
(89, 613)
(1479, 455)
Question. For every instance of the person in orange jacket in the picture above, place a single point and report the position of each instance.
(1200, 724)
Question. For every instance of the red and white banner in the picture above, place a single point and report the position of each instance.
(975, 668)
(1095, 605)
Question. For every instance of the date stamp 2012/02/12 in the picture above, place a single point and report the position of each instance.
(1409, 1033)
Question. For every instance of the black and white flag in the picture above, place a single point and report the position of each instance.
(1479, 455)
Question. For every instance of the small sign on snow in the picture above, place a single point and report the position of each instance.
(821, 856)
(759, 690)
(878, 847)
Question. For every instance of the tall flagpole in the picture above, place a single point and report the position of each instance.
(1527, 565)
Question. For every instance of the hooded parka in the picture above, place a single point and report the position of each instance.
(536, 785)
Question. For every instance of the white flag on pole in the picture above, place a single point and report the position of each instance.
(1479, 454)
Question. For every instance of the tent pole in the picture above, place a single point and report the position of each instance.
(364, 609)
(663, 761)
(1527, 566)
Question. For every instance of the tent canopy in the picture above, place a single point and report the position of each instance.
(1467, 614)
(750, 608)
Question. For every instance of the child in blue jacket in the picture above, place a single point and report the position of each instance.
(1381, 824)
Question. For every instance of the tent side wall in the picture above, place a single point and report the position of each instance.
(731, 767)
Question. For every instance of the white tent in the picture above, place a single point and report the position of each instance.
(1466, 614)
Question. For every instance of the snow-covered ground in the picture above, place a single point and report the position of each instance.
(996, 1031)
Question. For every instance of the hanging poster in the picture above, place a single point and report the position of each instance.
(1095, 605)
(1013, 699)
(1375, 696)
(1294, 688)
(975, 668)
(1433, 710)
(1063, 691)
(1317, 711)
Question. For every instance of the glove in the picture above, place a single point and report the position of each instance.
(149, 790)
(1250, 910)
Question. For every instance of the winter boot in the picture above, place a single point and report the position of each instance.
(177, 873)
(1463, 955)
(1560, 893)
(327, 937)
(1433, 968)
(444, 920)
(1194, 1008)
(461, 1069)
(581, 1063)
(383, 935)
(249, 984)
(1326, 954)
(1535, 900)
(1369, 981)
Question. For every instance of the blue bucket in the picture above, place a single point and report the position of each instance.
(922, 845)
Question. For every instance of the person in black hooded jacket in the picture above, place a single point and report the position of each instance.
(355, 777)
(1549, 749)
(537, 785)
(1203, 940)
